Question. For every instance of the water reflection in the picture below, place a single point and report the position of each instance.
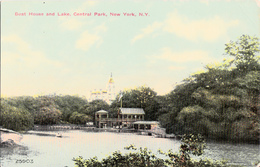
(240, 154)
(59, 151)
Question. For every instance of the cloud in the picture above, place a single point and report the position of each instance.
(86, 40)
(176, 68)
(87, 5)
(101, 28)
(24, 54)
(70, 23)
(257, 3)
(185, 56)
(209, 29)
(206, 29)
(148, 30)
(176, 61)
(204, 2)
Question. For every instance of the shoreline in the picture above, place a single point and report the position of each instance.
(95, 129)
(62, 127)
(123, 130)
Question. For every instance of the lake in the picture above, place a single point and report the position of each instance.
(42, 151)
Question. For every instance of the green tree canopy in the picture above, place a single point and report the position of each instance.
(95, 106)
(245, 53)
(68, 104)
(218, 101)
(48, 112)
(79, 118)
(141, 97)
(14, 118)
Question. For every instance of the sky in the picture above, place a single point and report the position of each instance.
(72, 55)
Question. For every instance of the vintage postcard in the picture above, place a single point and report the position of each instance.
(99, 83)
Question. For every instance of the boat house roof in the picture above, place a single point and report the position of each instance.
(135, 111)
(147, 122)
(101, 112)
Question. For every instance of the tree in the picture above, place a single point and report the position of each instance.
(79, 118)
(244, 51)
(28, 103)
(47, 116)
(95, 106)
(69, 104)
(14, 118)
(141, 97)
(218, 101)
(48, 112)
(251, 83)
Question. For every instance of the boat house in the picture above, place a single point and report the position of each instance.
(146, 125)
(125, 118)
(129, 118)
(101, 118)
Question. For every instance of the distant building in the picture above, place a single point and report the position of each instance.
(107, 95)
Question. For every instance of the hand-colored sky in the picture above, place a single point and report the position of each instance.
(76, 54)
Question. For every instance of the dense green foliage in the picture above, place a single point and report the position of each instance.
(47, 110)
(191, 144)
(141, 97)
(222, 102)
(47, 114)
(70, 104)
(95, 106)
(20, 113)
(15, 118)
(79, 118)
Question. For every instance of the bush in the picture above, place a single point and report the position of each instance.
(193, 144)
(79, 118)
(47, 116)
(69, 104)
(17, 119)
(47, 113)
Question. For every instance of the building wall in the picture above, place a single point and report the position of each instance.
(107, 95)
